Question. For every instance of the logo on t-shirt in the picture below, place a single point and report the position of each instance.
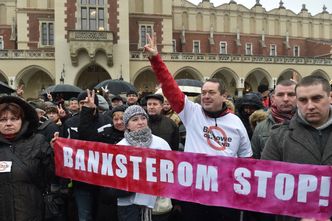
(216, 138)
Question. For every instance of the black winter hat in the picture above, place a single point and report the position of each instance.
(262, 88)
(121, 108)
(252, 99)
(132, 92)
(155, 96)
(116, 97)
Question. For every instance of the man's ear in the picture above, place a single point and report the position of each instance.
(224, 96)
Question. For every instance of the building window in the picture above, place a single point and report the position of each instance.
(223, 47)
(92, 15)
(47, 34)
(196, 47)
(296, 51)
(174, 45)
(248, 49)
(2, 45)
(143, 30)
(273, 50)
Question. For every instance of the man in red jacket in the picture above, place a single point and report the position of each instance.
(210, 129)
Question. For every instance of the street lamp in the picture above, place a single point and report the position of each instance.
(62, 75)
(121, 78)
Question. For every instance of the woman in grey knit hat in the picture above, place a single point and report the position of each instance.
(138, 206)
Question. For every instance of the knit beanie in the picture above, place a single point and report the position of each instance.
(132, 111)
(120, 108)
(102, 103)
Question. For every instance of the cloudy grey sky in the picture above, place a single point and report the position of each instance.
(314, 6)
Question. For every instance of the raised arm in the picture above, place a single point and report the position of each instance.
(87, 128)
(169, 86)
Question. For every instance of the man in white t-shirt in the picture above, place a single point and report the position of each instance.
(210, 129)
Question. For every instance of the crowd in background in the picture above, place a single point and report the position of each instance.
(78, 118)
(262, 125)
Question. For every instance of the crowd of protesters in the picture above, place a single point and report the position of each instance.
(296, 113)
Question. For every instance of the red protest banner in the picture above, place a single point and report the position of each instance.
(265, 186)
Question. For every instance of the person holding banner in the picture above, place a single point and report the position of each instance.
(107, 206)
(89, 125)
(137, 206)
(306, 139)
(282, 109)
(26, 162)
(210, 128)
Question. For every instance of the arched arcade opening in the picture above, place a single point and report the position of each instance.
(91, 75)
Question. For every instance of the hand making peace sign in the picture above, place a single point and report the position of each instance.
(90, 99)
(151, 47)
(20, 90)
(62, 113)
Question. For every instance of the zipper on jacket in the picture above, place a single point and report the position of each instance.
(320, 133)
(215, 121)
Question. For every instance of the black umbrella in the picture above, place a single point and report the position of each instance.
(65, 91)
(5, 89)
(47, 90)
(115, 86)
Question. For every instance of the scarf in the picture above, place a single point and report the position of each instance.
(280, 117)
(141, 138)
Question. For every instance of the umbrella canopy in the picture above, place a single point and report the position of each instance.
(115, 86)
(65, 91)
(5, 89)
(190, 87)
(47, 90)
(189, 82)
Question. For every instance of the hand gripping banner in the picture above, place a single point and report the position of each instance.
(265, 186)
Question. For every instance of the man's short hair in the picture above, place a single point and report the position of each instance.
(314, 80)
(287, 83)
(221, 87)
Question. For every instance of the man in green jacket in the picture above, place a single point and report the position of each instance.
(282, 109)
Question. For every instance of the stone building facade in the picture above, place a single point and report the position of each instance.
(84, 42)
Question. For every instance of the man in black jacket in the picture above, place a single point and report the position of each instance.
(88, 125)
(161, 125)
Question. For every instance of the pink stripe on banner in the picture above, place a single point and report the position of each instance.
(265, 186)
